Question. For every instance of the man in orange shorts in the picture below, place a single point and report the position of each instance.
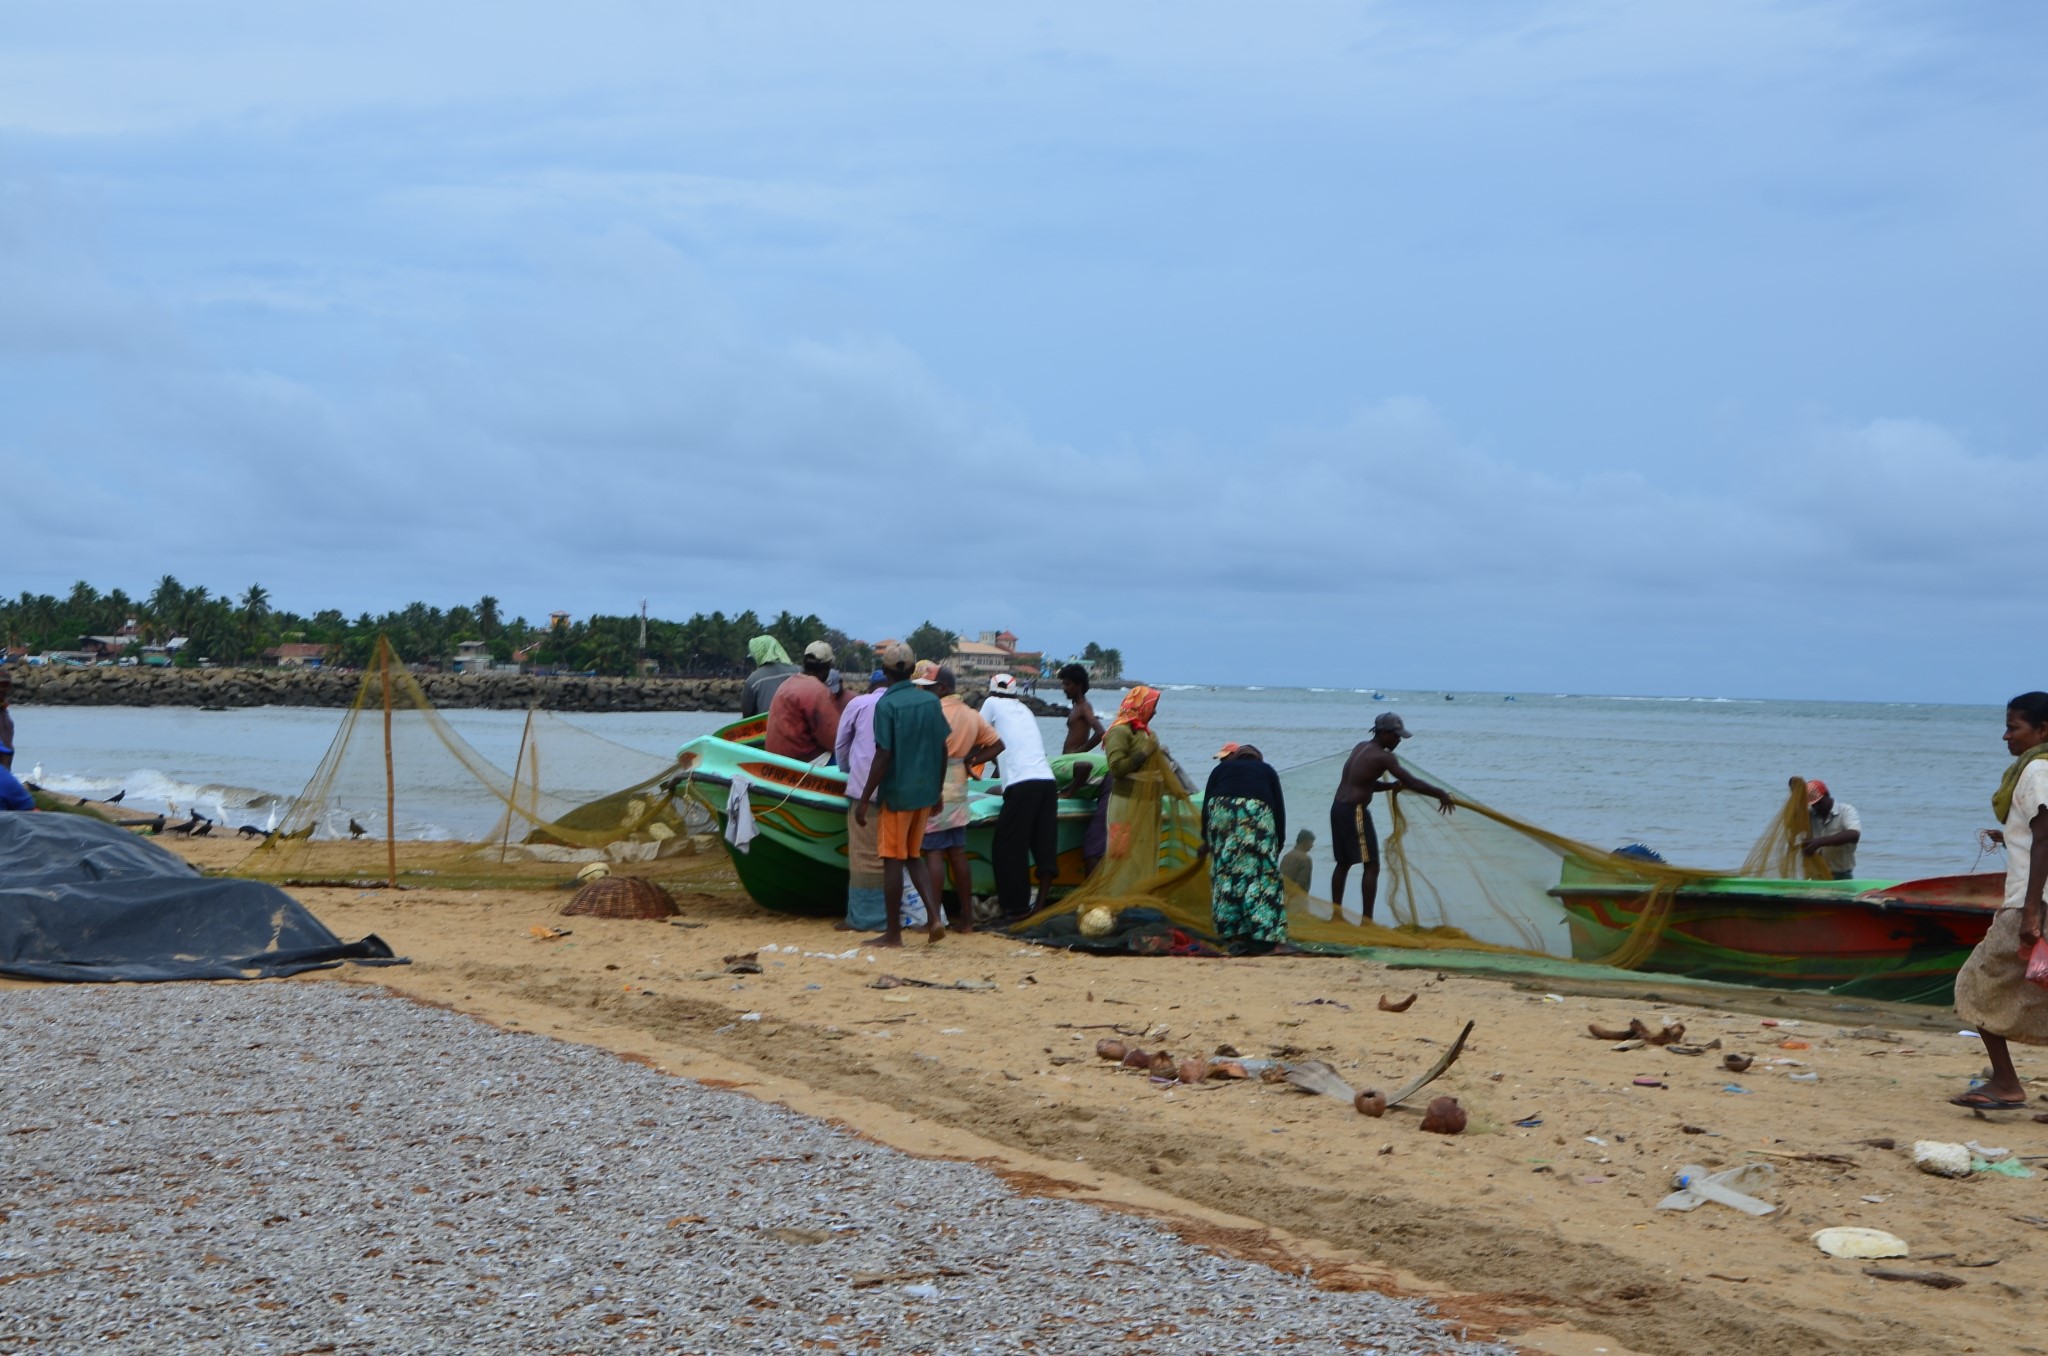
(909, 772)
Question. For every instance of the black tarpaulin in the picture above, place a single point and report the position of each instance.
(83, 900)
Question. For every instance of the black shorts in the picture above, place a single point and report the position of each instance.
(1353, 837)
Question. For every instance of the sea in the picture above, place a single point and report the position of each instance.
(1695, 778)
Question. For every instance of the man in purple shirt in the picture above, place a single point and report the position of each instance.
(854, 750)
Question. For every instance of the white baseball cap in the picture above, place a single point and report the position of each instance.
(1002, 685)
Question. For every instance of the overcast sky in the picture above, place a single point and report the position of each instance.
(1598, 347)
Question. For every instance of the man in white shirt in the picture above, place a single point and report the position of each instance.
(1029, 821)
(1833, 830)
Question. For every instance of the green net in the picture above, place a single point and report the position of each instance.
(401, 798)
(1477, 880)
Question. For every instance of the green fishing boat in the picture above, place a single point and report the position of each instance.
(1901, 941)
(796, 862)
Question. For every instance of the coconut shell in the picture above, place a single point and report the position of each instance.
(1110, 1049)
(1134, 1058)
(1444, 1117)
(1372, 1102)
(1228, 1068)
(1194, 1069)
(1164, 1064)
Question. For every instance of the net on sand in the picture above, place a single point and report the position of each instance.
(394, 801)
(1477, 879)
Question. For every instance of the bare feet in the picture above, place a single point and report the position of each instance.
(888, 939)
(842, 926)
(936, 932)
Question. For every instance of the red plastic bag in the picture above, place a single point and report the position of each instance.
(2037, 963)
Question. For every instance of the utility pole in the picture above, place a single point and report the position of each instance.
(643, 637)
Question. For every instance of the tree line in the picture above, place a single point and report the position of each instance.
(223, 628)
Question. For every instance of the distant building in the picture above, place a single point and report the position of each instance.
(996, 652)
(472, 656)
(297, 656)
(103, 647)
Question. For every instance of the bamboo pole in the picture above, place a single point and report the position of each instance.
(390, 780)
(512, 801)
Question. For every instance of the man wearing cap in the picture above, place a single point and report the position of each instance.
(1353, 838)
(13, 795)
(1027, 829)
(803, 716)
(771, 666)
(1833, 830)
(908, 776)
(970, 741)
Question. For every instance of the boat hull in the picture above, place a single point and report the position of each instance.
(797, 860)
(1867, 939)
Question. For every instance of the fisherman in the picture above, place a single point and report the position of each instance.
(1029, 821)
(1833, 831)
(908, 774)
(854, 750)
(970, 742)
(13, 795)
(803, 717)
(1084, 727)
(1353, 838)
(6, 718)
(1297, 868)
(771, 666)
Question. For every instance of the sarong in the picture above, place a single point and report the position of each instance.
(866, 911)
(1246, 897)
(1993, 993)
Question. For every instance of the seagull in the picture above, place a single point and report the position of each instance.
(35, 774)
(355, 830)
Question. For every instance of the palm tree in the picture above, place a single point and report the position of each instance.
(487, 617)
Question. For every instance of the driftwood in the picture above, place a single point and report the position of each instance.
(1312, 1075)
(1940, 1280)
(899, 982)
(1450, 1057)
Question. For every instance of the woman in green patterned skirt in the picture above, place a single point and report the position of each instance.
(1244, 821)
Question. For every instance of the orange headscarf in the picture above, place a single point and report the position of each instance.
(1139, 704)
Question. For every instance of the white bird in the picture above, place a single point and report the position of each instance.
(35, 774)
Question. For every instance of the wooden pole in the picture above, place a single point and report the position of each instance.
(390, 781)
(512, 801)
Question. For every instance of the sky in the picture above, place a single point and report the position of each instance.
(1689, 348)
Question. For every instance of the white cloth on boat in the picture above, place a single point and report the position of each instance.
(739, 814)
(2027, 799)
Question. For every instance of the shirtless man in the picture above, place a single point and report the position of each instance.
(1084, 727)
(1353, 838)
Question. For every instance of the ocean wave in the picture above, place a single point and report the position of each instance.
(158, 790)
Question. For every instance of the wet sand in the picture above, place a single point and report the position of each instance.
(1542, 1233)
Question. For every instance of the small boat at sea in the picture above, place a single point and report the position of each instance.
(1900, 941)
(796, 862)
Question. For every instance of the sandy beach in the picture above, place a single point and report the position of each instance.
(1536, 1225)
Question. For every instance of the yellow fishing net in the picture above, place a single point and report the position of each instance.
(402, 798)
(1478, 879)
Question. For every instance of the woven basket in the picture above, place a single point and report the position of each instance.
(622, 897)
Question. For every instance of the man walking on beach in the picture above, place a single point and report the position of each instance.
(908, 772)
(1029, 821)
(1833, 830)
(1084, 727)
(771, 666)
(1353, 838)
(803, 715)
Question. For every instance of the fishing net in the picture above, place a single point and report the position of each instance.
(401, 798)
(1475, 880)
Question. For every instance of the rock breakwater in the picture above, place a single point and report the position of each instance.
(230, 689)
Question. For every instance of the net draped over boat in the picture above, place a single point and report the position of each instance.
(402, 798)
(1478, 879)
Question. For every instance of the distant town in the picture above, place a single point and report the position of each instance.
(176, 626)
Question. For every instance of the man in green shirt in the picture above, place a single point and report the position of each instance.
(909, 772)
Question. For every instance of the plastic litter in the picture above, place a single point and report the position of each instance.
(2008, 1167)
(1730, 1188)
(926, 1291)
(1735, 1087)
(1860, 1243)
(1803, 1077)
(1987, 1154)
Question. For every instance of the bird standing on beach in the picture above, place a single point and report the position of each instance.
(355, 830)
(117, 797)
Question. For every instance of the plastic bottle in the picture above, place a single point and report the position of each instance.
(1696, 1186)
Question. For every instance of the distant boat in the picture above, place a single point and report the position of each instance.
(1510, 697)
(1448, 697)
